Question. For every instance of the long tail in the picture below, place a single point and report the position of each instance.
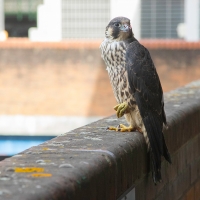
(156, 163)
(155, 160)
(155, 168)
(156, 144)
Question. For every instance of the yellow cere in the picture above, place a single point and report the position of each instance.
(41, 175)
(28, 169)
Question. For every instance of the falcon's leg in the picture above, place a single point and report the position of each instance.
(122, 128)
(121, 109)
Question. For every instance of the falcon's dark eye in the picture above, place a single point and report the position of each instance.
(117, 24)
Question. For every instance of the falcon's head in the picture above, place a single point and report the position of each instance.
(119, 29)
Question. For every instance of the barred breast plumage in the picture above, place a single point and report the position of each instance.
(114, 57)
(113, 54)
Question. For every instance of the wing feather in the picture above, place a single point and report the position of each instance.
(145, 85)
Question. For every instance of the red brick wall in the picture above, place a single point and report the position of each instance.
(181, 180)
(69, 78)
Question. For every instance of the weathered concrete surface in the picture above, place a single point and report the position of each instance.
(93, 163)
(89, 162)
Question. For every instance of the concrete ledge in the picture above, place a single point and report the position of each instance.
(92, 163)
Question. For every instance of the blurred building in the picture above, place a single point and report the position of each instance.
(20, 15)
(78, 19)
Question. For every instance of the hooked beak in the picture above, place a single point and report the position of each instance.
(125, 28)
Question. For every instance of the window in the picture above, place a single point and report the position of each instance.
(160, 18)
(84, 19)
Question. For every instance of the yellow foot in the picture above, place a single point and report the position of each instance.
(121, 109)
(121, 128)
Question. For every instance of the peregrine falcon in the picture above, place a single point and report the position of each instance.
(137, 89)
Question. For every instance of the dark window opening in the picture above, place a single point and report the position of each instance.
(18, 25)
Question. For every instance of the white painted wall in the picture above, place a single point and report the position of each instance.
(192, 20)
(49, 22)
(41, 125)
(1, 15)
(130, 9)
(3, 34)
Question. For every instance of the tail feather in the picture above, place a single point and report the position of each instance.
(156, 163)
(155, 168)
(157, 145)
(166, 152)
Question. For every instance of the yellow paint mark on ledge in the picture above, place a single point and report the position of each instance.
(28, 169)
(45, 148)
(41, 175)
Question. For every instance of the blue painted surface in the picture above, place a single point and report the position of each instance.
(11, 145)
